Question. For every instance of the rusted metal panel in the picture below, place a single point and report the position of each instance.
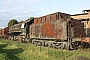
(43, 20)
(4, 32)
(50, 30)
(39, 21)
(53, 16)
(0, 32)
(38, 31)
(61, 30)
(32, 31)
(35, 31)
(35, 20)
(62, 16)
(76, 23)
(88, 32)
(77, 32)
(48, 18)
(82, 25)
(78, 27)
(87, 40)
(83, 34)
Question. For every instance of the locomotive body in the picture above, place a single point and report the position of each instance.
(57, 30)
(20, 31)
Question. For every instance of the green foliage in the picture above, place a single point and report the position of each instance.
(12, 22)
(31, 18)
(21, 21)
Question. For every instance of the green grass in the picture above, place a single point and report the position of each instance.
(14, 50)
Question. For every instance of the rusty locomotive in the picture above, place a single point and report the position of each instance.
(56, 30)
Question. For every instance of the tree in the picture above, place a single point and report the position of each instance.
(21, 21)
(12, 22)
(31, 18)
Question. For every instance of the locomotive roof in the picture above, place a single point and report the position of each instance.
(84, 13)
(53, 13)
(87, 19)
(86, 10)
(79, 14)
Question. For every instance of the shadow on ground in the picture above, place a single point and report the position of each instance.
(10, 54)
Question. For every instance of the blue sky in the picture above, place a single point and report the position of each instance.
(23, 9)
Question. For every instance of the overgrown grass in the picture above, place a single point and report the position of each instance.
(14, 50)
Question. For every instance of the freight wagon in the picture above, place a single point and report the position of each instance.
(57, 30)
(4, 32)
(0, 33)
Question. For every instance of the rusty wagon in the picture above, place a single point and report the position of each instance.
(4, 32)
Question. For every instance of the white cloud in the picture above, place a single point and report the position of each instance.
(8, 10)
(3, 17)
(33, 0)
(18, 2)
(14, 17)
(2, 27)
(4, 11)
(17, 9)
